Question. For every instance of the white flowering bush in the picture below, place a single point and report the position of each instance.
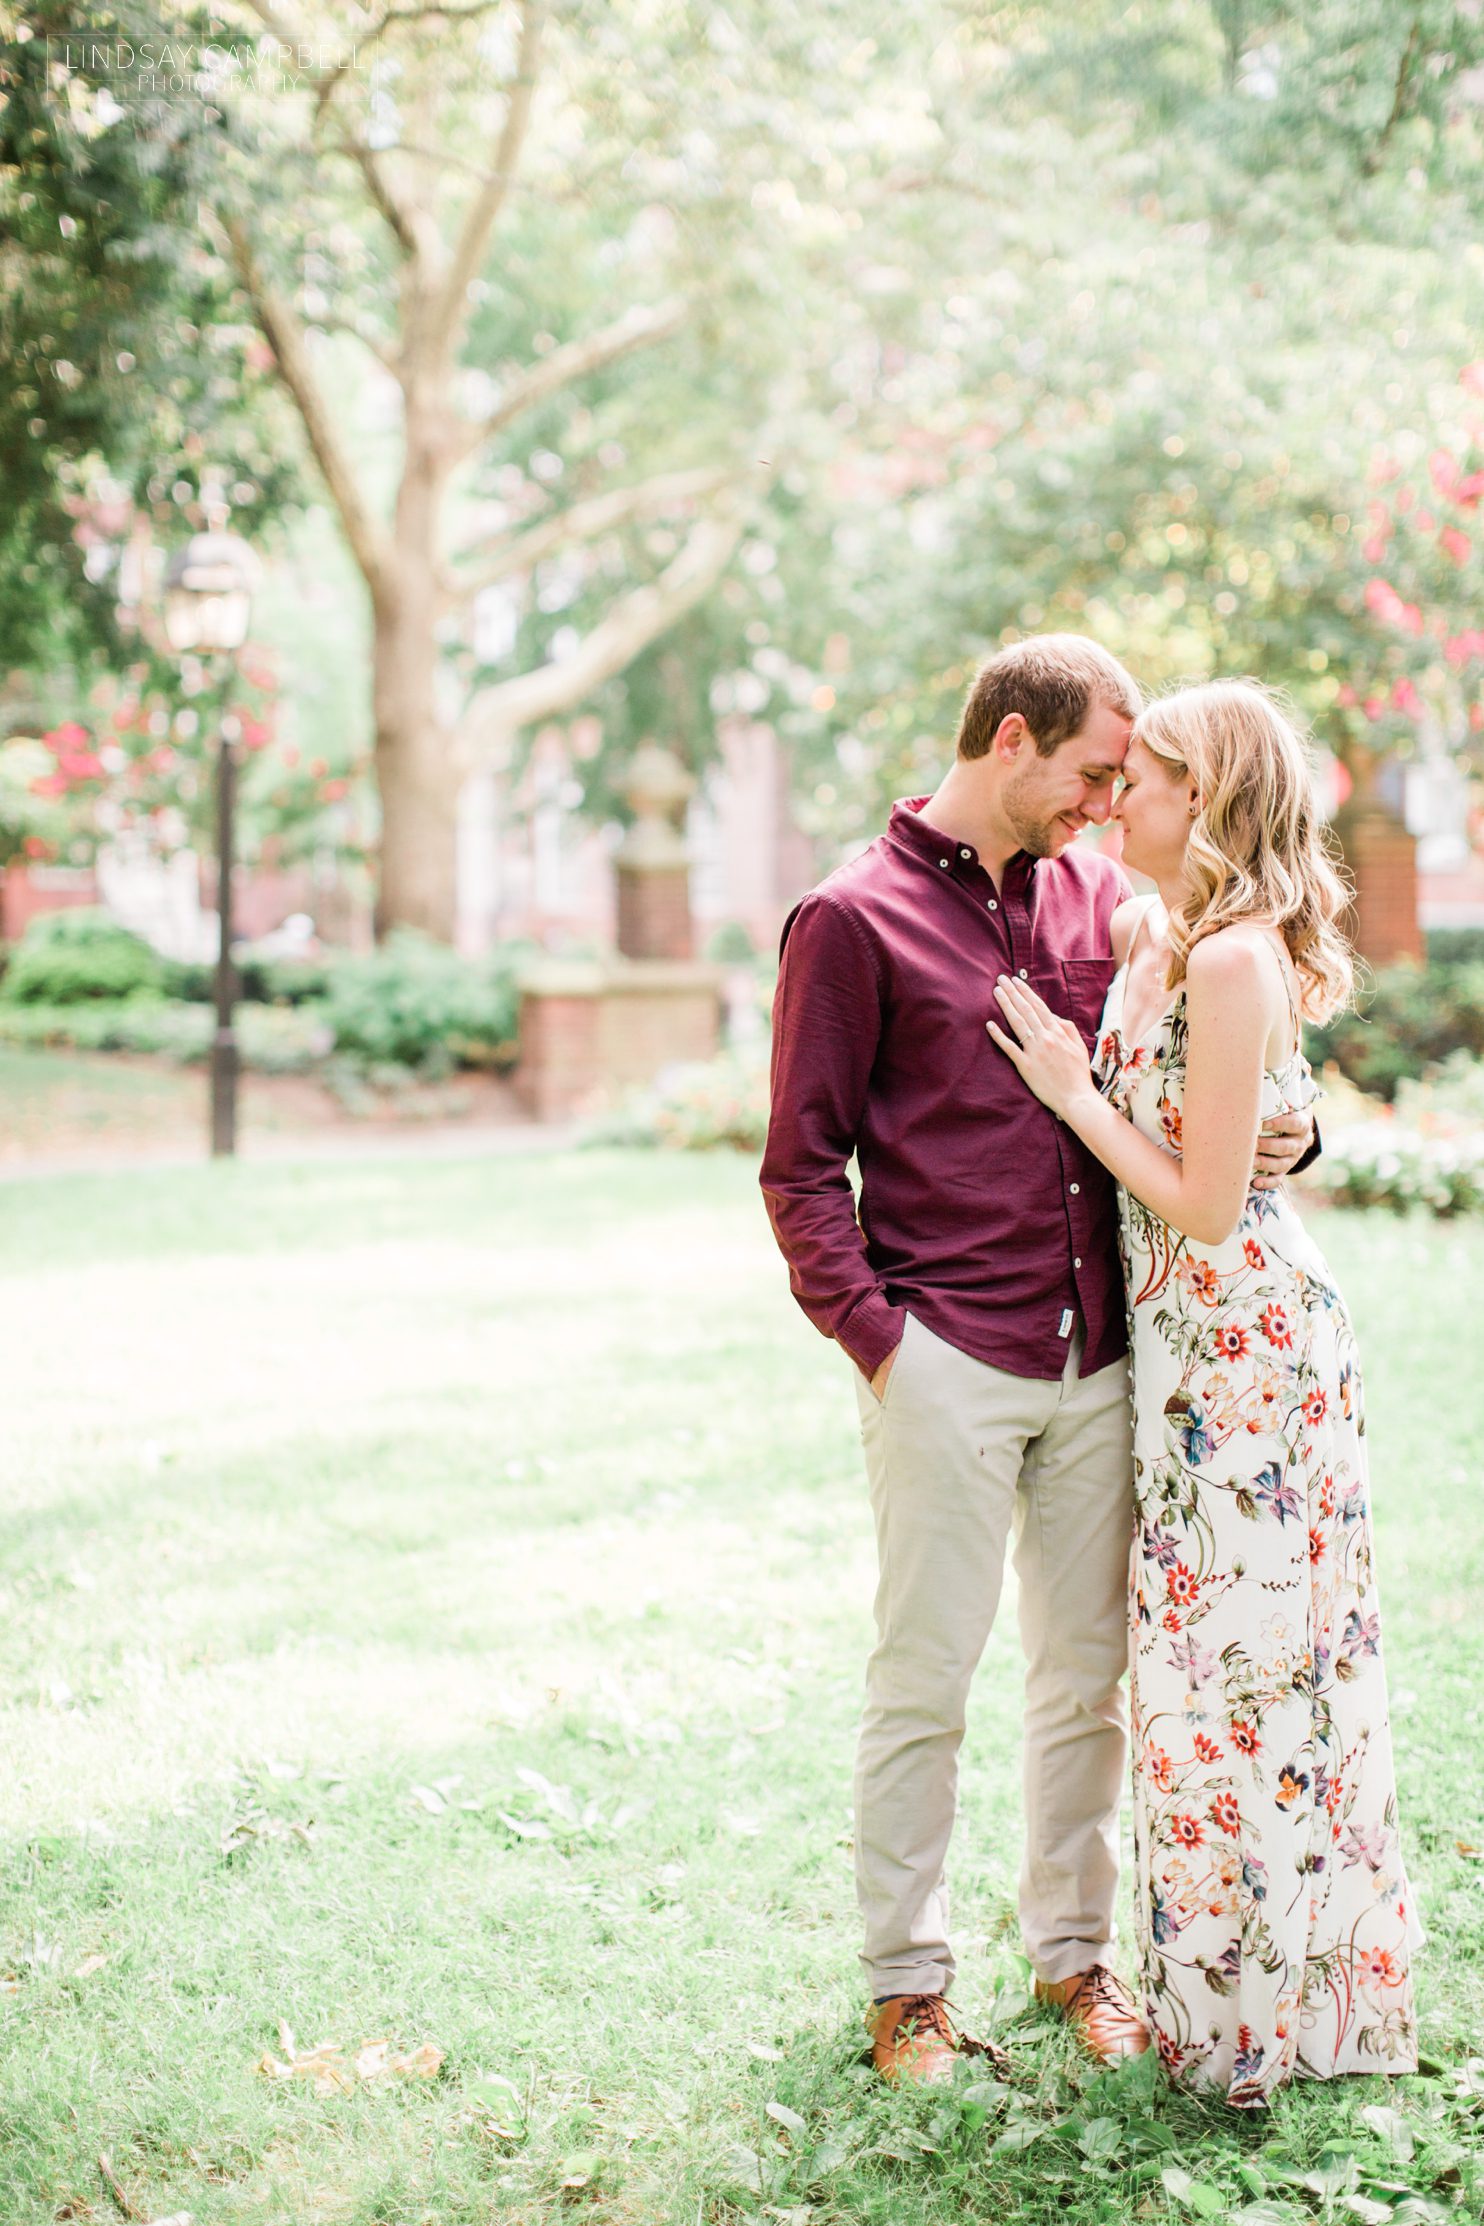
(1384, 1163)
(719, 1103)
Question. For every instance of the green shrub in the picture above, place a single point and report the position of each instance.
(1406, 1019)
(260, 980)
(1455, 946)
(271, 1040)
(66, 958)
(730, 945)
(414, 1003)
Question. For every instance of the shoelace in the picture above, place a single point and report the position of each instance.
(926, 2013)
(1102, 1985)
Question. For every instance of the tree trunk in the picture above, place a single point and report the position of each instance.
(415, 771)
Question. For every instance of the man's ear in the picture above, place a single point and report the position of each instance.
(1008, 736)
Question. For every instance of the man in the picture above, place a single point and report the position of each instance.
(978, 1293)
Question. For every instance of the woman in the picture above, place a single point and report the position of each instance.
(1274, 1919)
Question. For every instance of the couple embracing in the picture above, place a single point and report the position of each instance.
(1072, 1110)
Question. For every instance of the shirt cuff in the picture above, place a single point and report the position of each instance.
(1313, 1153)
(871, 1330)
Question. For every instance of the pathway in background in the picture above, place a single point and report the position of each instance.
(68, 1111)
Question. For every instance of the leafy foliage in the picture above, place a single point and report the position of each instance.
(414, 1003)
(1406, 1020)
(72, 957)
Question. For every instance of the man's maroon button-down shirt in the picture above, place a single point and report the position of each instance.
(980, 1213)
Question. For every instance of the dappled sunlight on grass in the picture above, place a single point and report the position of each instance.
(436, 1600)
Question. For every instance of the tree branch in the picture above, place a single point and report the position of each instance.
(633, 622)
(403, 220)
(1375, 155)
(368, 538)
(636, 328)
(451, 304)
(584, 521)
(331, 320)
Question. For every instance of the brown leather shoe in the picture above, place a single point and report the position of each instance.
(1101, 2012)
(913, 2036)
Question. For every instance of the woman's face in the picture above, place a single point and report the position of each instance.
(1154, 808)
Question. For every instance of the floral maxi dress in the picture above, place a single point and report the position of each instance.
(1273, 1914)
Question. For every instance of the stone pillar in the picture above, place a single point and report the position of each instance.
(653, 869)
(590, 1030)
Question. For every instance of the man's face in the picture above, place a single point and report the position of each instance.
(1049, 800)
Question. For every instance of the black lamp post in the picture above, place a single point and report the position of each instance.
(208, 605)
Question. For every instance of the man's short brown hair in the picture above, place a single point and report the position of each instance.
(1053, 681)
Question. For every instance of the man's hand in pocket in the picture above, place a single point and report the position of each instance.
(883, 1374)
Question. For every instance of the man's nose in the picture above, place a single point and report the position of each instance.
(1098, 807)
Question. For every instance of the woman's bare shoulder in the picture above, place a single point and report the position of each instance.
(1237, 968)
(1121, 927)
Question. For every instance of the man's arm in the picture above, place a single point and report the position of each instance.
(827, 1019)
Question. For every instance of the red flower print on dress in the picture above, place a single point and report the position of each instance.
(1225, 1814)
(1378, 1967)
(1171, 1621)
(1327, 1496)
(1207, 1749)
(1232, 1341)
(1244, 1738)
(1158, 1766)
(1202, 1281)
(1171, 2054)
(1316, 1407)
(1188, 1831)
(1169, 1121)
(1181, 1585)
(1273, 1322)
(1253, 1253)
(1316, 1546)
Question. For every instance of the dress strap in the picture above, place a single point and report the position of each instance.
(1287, 970)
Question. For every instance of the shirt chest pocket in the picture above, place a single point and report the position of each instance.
(1086, 983)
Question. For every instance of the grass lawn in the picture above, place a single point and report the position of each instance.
(436, 1596)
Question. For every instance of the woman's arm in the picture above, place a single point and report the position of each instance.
(1229, 1013)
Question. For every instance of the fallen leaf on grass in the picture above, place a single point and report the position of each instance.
(256, 1825)
(764, 2054)
(378, 2059)
(428, 1797)
(88, 1965)
(524, 1827)
(111, 2182)
(325, 2067)
(790, 2120)
(329, 2073)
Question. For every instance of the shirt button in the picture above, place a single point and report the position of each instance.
(1076, 1263)
(942, 861)
(966, 854)
(993, 906)
(1023, 974)
(1075, 1189)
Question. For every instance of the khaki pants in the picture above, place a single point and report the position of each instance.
(960, 1458)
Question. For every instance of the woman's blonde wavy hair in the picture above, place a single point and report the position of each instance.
(1258, 847)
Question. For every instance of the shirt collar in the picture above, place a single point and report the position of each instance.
(911, 831)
